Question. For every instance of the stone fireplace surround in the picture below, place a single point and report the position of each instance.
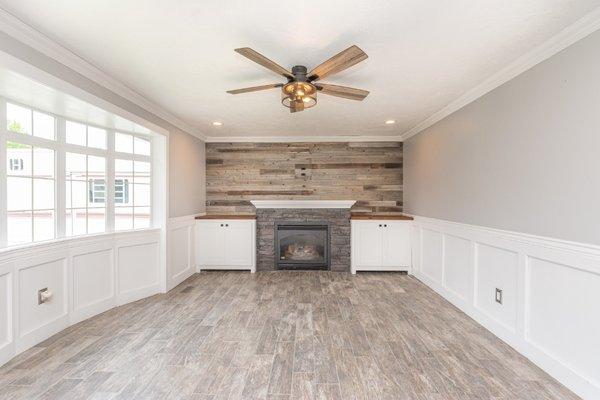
(294, 211)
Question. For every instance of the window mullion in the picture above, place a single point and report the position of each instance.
(61, 184)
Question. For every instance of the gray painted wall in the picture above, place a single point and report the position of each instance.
(187, 172)
(525, 157)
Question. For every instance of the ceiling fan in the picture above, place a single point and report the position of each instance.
(300, 91)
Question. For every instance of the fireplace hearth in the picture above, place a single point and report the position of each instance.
(302, 245)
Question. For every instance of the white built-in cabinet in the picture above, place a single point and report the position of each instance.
(226, 244)
(380, 245)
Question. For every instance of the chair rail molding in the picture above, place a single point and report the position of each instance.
(550, 292)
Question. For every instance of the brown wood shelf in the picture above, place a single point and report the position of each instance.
(226, 216)
(381, 217)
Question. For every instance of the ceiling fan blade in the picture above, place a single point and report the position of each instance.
(345, 59)
(342, 91)
(255, 88)
(264, 61)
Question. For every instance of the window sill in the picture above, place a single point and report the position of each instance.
(67, 242)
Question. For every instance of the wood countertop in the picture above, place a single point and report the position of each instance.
(226, 216)
(381, 217)
(355, 216)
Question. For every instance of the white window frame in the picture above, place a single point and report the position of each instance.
(60, 148)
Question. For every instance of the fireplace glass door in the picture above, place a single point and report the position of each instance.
(302, 246)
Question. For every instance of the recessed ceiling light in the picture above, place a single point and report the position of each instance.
(217, 123)
(390, 122)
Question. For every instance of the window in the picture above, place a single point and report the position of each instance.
(84, 214)
(97, 192)
(28, 122)
(132, 211)
(57, 167)
(15, 164)
(125, 143)
(29, 193)
(83, 135)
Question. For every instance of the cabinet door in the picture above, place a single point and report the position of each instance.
(368, 252)
(396, 244)
(210, 243)
(238, 243)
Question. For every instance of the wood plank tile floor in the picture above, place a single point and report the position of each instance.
(280, 335)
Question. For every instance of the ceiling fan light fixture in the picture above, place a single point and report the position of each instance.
(300, 91)
(295, 92)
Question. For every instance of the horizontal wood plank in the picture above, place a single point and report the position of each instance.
(370, 173)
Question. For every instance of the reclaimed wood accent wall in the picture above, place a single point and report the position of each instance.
(370, 173)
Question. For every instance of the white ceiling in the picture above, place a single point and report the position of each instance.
(179, 54)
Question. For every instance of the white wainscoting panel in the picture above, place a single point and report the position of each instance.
(138, 274)
(564, 314)
(496, 268)
(457, 266)
(551, 292)
(39, 320)
(181, 245)
(81, 274)
(6, 314)
(431, 254)
(93, 282)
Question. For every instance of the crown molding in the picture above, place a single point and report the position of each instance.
(30, 36)
(568, 36)
(297, 139)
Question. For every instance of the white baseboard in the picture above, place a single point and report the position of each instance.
(550, 287)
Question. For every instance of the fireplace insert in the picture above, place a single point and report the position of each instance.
(302, 245)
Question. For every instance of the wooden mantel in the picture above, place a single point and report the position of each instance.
(303, 203)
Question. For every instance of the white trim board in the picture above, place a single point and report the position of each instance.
(568, 36)
(550, 290)
(302, 139)
(49, 47)
(346, 204)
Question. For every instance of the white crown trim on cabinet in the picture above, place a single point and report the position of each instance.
(550, 289)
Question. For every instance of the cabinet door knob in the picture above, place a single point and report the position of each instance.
(380, 225)
(385, 225)
(221, 225)
(226, 224)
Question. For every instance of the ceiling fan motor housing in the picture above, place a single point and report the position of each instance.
(299, 72)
